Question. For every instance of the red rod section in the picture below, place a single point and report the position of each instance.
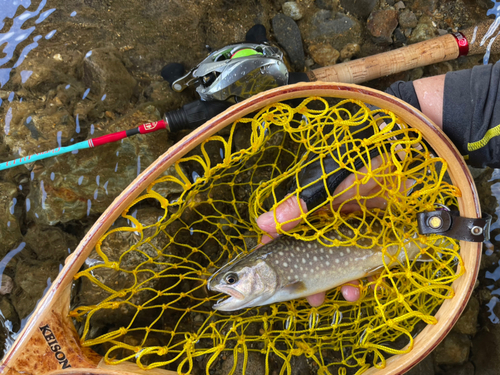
(152, 126)
(143, 129)
(108, 138)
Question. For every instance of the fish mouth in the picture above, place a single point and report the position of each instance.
(235, 300)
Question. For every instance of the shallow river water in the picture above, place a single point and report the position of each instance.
(76, 69)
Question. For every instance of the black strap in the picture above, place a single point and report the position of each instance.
(450, 224)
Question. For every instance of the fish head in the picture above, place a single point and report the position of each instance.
(248, 284)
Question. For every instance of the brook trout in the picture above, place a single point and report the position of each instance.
(287, 268)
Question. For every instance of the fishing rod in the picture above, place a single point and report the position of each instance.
(239, 71)
(190, 116)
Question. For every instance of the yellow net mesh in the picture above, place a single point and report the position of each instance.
(224, 186)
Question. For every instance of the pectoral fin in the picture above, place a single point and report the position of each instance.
(374, 271)
(295, 287)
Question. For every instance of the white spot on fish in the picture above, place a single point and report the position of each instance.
(303, 260)
(285, 264)
(327, 263)
(321, 251)
(348, 250)
(310, 246)
(297, 248)
(289, 278)
(330, 251)
(302, 268)
(315, 258)
(341, 254)
(337, 261)
(295, 266)
(305, 275)
(281, 253)
(323, 272)
(346, 263)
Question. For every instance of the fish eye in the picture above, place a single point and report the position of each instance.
(231, 278)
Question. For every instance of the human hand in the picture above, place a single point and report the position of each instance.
(289, 210)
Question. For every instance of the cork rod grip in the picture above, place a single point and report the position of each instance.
(416, 55)
(431, 51)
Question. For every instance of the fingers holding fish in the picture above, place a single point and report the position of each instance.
(284, 213)
(350, 291)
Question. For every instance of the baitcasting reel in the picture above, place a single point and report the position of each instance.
(237, 71)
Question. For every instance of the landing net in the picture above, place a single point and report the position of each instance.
(207, 215)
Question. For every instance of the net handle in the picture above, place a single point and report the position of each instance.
(55, 304)
(432, 51)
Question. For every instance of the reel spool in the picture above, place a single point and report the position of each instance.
(31, 352)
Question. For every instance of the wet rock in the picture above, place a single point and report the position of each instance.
(424, 30)
(486, 348)
(465, 369)
(9, 314)
(6, 286)
(440, 68)
(426, 6)
(324, 54)
(336, 29)
(30, 129)
(45, 74)
(453, 350)
(73, 186)
(349, 51)
(467, 323)
(255, 365)
(399, 5)
(164, 98)
(288, 36)
(407, 19)
(425, 367)
(291, 9)
(359, 8)
(32, 278)
(381, 25)
(327, 4)
(300, 366)
(399, 38)
(10, 231)
(105, 74)
(49, 243)
(485, 4)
